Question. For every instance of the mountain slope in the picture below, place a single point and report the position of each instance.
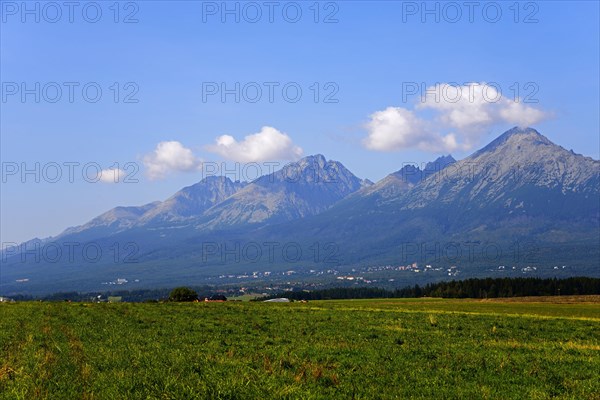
(521, 188)
(189, 202)
(115, 220)
(521, 172)
(406, 178)
(192, 201)
(300, 189)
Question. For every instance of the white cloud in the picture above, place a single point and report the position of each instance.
(522, 115)
(112, 175)
(476, 106)
(462, 107)
(397, 128)
(170, 157)
(462, 114)
(267, 145)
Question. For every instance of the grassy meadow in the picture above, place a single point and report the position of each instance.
(351, 349)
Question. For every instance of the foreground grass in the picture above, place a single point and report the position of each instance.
(332, 349)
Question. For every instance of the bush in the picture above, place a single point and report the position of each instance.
(181, 294)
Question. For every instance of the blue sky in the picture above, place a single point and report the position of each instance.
(373, 51)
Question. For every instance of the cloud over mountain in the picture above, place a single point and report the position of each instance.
(397, 128)
(267, 145)
(461, 115)
(170, 157)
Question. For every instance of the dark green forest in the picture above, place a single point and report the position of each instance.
(469, 288)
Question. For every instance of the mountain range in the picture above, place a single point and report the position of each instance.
(523, 198)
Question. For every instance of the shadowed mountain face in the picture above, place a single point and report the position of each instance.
(519, 188)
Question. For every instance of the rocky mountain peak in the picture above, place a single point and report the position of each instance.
(193, 200)
(516, 139)
(314, 169)
(439, 163)
(316, 159)
(299, 189)
(401, 181)
(214, 182)
(513, 170)
(413, 173)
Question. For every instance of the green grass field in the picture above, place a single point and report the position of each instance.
(362, 349)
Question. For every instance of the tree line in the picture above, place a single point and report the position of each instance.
(134, 296)
(468, 288)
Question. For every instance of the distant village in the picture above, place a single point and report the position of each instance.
(370, 274)
(312, 278)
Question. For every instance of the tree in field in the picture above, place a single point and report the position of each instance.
(181, 294)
